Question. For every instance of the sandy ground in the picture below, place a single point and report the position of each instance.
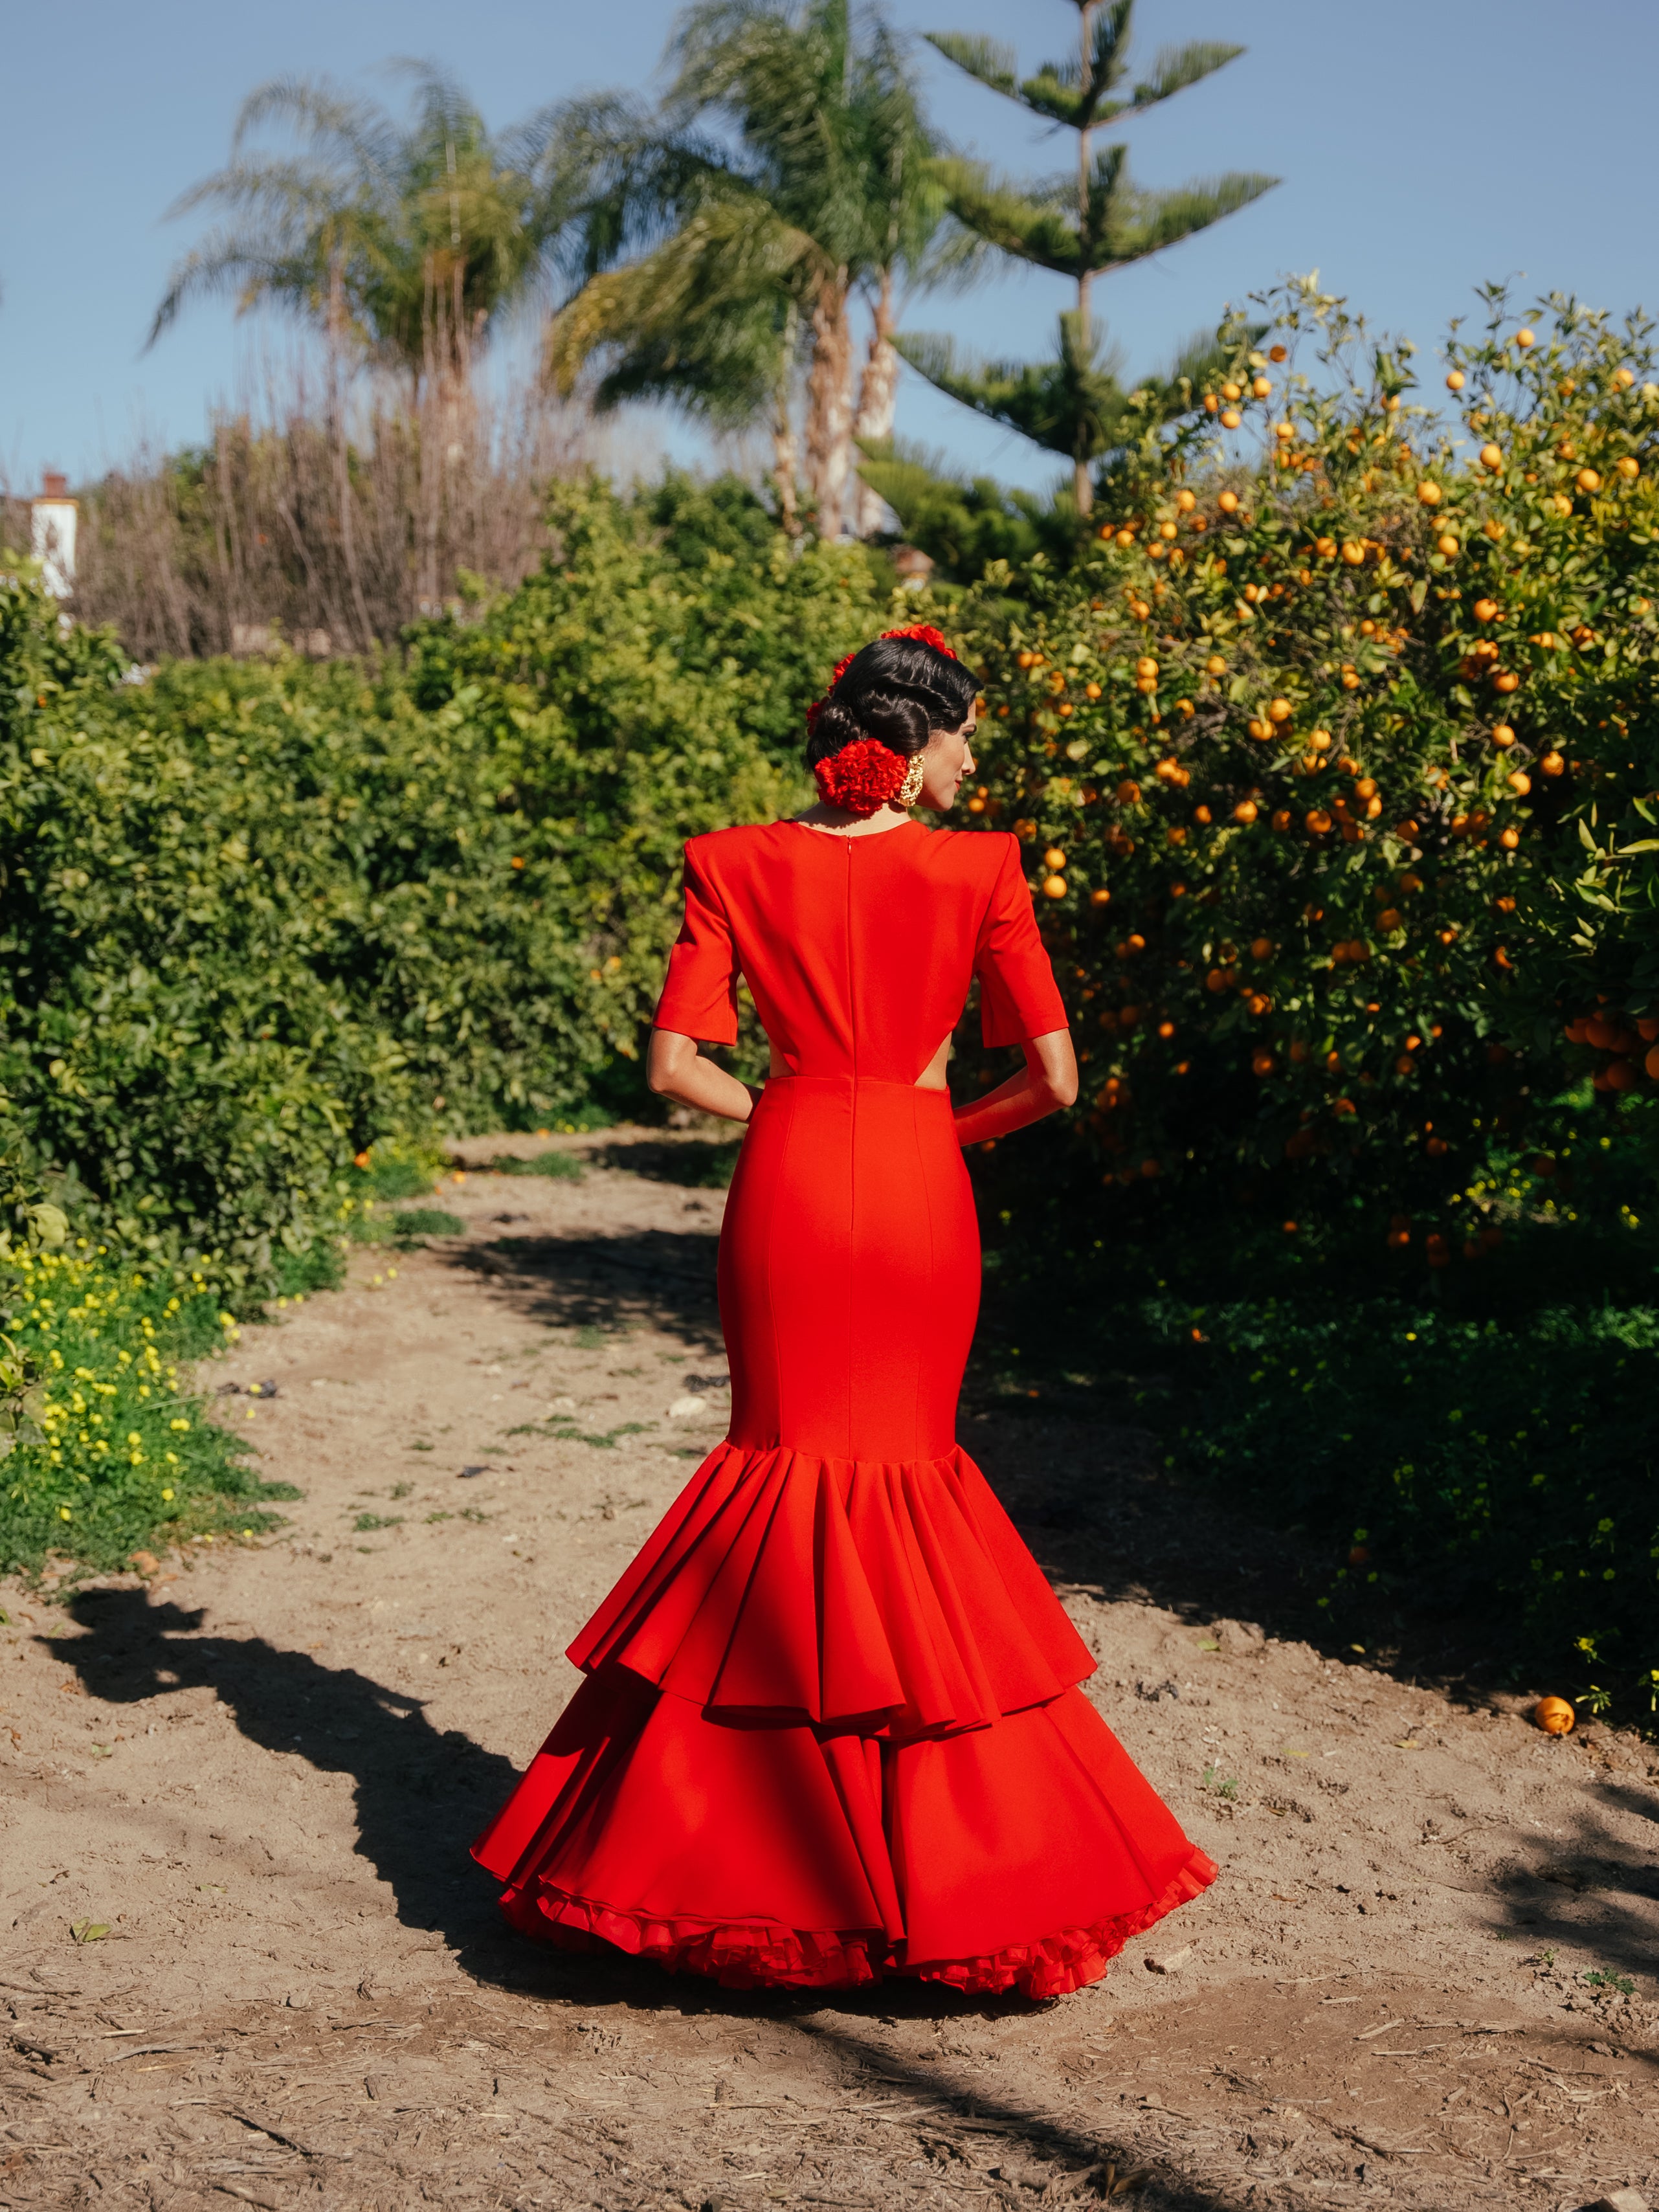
(257, 1775)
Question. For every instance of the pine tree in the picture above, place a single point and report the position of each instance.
(1083, 226)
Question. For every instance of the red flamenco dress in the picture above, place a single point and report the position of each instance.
(830, 1729)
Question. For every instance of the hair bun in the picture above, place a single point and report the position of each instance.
(895, 692)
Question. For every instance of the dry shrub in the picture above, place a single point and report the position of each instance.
(321, 522)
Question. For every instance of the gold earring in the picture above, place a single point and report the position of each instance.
(910, 790)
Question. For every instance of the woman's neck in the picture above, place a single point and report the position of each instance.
(837, 822)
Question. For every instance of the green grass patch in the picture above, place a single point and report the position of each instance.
(106, 1453)
(415, 1221)
(561, 1429)
(557, 1167)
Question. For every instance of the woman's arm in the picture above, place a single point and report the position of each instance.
(1045, 1083)
(674, 1068)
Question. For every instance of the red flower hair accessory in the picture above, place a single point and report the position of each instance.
(923, 633)
(862, 776)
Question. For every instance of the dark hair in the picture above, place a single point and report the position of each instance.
(898, 690)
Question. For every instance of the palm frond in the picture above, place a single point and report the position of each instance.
(733, 264)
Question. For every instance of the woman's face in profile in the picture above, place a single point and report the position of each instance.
(948, 758)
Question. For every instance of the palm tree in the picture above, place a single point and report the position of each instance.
(907, 207)
(708, 316)
(1081, 226)
(407, 242)
(787, 170)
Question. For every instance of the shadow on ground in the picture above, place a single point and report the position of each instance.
(657, 1276)
(422, 1795)
(696, 1164)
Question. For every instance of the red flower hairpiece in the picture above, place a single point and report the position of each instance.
(923, 633)
(862, 776)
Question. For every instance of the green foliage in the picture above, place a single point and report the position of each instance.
(1309, 756)
(1571, 431)
(1473, 1445)
(1604, 1978)
(394, 1168)
(787, 165)
(1456, 1463)
(1310, 821)
(1076, 404)
(964, 526)
(1105, 223)
(103, 1452)
(415, 1221)
(257, 919)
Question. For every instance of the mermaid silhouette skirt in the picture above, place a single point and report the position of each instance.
(830, 1729)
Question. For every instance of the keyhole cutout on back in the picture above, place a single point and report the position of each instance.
(933, 1077)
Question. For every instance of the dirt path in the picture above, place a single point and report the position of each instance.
(259, 1774)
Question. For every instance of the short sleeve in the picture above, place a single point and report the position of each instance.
(1018, 996)
(700, 996)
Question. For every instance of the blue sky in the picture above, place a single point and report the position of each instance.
(1424, 148)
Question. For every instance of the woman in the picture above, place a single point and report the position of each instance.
(830, 1729)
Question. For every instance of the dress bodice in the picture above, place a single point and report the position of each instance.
(858, 951)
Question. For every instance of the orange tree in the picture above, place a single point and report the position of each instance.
(1328, 763)
(1333, 765)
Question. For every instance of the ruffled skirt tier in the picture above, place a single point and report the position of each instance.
(830, 1731)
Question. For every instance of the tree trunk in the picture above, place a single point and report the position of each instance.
(1082, 481)
(877, 401)
(786, 462)
(830, 405)
(446, 410)
(786, 452)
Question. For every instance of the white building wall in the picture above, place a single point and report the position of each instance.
(53, 544)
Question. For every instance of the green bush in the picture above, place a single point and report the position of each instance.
(554, 1167)
(257, 917)
(1475, 1445)
(104, 1453)
(1496, 1466)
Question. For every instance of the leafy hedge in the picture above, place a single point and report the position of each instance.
(255, 917)
(1334, 763)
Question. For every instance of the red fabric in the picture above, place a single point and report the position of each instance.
(859, 951)
(1018, 1855)
(897, 1595)
(830, 1729)
(703, 969)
